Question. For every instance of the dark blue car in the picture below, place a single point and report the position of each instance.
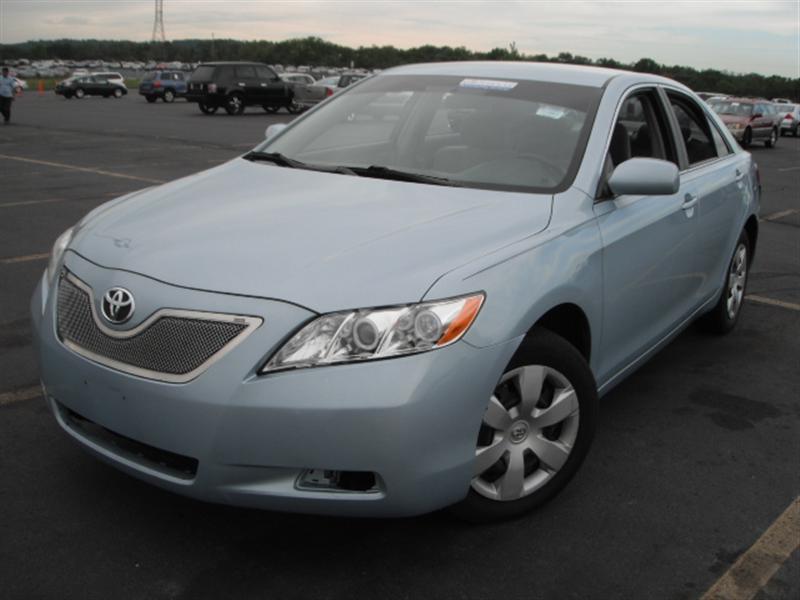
(166, 85)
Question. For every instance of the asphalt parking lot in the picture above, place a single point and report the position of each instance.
(697, 454)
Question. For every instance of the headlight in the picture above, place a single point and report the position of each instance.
(369, 334)
(57, 252)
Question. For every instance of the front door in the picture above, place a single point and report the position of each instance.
(649, 243)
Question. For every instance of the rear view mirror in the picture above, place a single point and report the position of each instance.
(645, 177)
(274, 130)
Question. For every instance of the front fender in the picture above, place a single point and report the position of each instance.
(561, 265)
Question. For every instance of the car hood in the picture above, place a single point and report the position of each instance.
(324, 241)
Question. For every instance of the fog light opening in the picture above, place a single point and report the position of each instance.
(342, 481)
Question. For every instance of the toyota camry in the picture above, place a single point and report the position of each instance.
(411, 297)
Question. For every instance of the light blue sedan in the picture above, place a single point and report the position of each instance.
(412, 297)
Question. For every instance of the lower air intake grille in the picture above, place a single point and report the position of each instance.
(170, 345)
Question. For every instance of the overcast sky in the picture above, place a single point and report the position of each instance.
(741, 36)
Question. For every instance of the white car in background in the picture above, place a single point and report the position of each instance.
(790, 118)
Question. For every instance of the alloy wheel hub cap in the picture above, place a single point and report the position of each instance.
(519, 432)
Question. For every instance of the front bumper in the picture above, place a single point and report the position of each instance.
(738, 134)
(412, 421)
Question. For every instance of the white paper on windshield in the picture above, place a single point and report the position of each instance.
(551, 112)
(488, 84)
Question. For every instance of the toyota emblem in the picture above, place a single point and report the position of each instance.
(117, 305)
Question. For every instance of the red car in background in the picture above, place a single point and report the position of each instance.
(749, 119)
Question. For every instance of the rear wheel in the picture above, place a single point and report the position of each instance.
(234, 104)
(150, 99)
(169, 96)
(117, 93)
(725, 314)
(536, 430)
(207, 109)
(772, 139)
(80, 93)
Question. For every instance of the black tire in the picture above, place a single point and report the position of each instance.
(117, 93)
(168, 97)
(207, 109)
(542, 347)
(234, 104)
(270, 109)
(772, 139)
(80, 93)
(747, 138)
(719, 320)
(151, 99)
(293, 108)
(794, 131)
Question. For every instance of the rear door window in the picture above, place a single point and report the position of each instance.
(245, 72)
(265, 73)
(694, 128)
(203, 73)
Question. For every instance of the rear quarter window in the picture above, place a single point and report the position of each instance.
(204, 73)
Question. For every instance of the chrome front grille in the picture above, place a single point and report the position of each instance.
(170, 345)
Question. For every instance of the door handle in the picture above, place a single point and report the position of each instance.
(241, 84)
(739, 175)
(689, 201)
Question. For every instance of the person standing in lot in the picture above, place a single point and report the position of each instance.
(7, 85)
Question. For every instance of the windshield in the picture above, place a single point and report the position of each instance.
(514, 135)
(738, 109)
(329, 81)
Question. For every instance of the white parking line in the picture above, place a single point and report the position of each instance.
(789, 169)
(48, 163)
(772, 302)
(20, 259)
(753, 570)
(779, 215)
(20, 395)
(27, 202)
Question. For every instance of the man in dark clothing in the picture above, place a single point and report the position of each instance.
(7, 88)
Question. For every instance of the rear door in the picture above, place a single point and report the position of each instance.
(274, 90)
(246, 82)
(762, 123)
(714, 177)
(649, 242)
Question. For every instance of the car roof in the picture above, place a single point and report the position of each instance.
(228, 63)
(534, 71)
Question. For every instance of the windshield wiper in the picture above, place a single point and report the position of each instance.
(380, 172)
(284, 161)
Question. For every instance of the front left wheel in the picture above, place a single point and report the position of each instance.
(536, 431)
(772, 139)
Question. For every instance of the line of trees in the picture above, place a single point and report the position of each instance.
(318, 52)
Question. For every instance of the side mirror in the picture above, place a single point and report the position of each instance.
(274, 130)
(645, 177)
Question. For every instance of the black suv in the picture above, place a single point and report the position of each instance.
(235, 85)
